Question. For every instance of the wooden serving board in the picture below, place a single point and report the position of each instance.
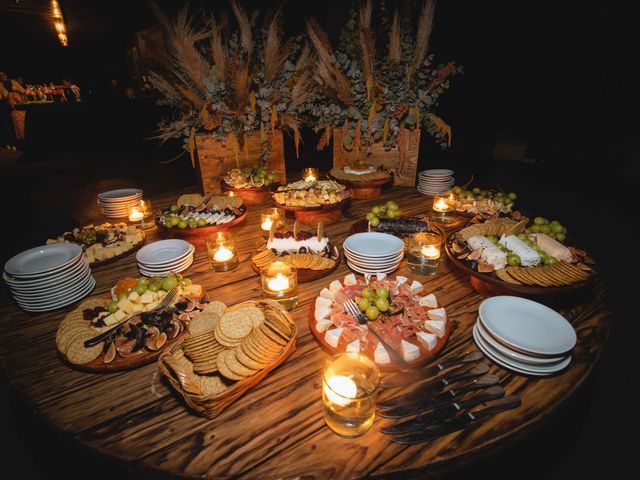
(365, 190)
(490, 284)
(327, 214)
(202, 231)
(304, 274)
(425, 355)
(120, 364)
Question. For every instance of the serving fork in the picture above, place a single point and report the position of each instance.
(161, 306)
(352, 309)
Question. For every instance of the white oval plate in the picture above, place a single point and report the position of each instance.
(54, 295)
(119, 194)
(527, 326)
(48, 280)
(166, 267)
(166, 272)
(517, 356)
(64, 303)
(437, 172)
(374, 244)
(163, 252)
(516, 366)
(42, 260)
(69, 282)
(355, 268)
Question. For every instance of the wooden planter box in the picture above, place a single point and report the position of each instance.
(377, 155)
(214, 159)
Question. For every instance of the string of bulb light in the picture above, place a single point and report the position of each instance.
(58, 23)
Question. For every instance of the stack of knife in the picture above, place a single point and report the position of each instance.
(440, 406)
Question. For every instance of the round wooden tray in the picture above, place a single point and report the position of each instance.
(425, 355)
(365, 190)
(312, 216)
(489, 283)
(120, 364)
(202, 231)
(250, 196)
(304, 274)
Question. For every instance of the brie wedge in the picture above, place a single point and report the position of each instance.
(323, 325)
(400, 279)
(429, 340)
(321, 312)
(429, 301)
(354, 347)
(323, 302)
(333, 336)
(435, 326)
(326, 293)
(437, 314)
(381, 276)
(335, 286)
(380, 355)
(350, 279)
(416, 286)
(410, 352)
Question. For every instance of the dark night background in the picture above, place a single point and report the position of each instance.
(546, 107)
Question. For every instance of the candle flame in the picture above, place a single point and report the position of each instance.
(340, 389)
(278, 284)
(135, 215)
(222, 254)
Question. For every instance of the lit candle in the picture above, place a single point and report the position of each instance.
(221, 248)
(430, 252)
(135, 215)
(339, 389)
(222, 254)
(266, 225)
(310, 174)
(229, 194)
(278, 284)
(441, 205)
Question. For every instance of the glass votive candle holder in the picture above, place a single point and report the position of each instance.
(270, 217)
(148, 219)
(280, 283)
(349, 388)
(423, 253)
(222, 251)
(443, 209)
(310, 174)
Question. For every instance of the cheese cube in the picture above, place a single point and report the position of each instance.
(321, 312)
(110, 319)
(435, 326)
(119, 315)
(354, 347)
(323, 302)
(350, 279)
(163, 293)
(147, 297)
(416, 286)
(429, 301)
(400, 279)
(134, 297)
(125, 305)
(108, 252)
(323, 325)
(335, 286)
(333, 336)
(130, 238)
(326, 293)
(381, 276)
(117, 250)
(137, 308)
(409, 351)
(192, 289)
(429, 340)
(100, 253)
(380, 355)
(90, 257)
(437, 314)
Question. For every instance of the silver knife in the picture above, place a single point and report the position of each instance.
(442, 398)
(445, 412)
(434, 386)
(402, 379)
(460, 422)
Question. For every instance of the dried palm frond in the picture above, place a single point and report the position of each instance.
(246, 38)
(394, 39)
(441, 76)
(165, 88)
(174, 129)
(442, 127)
(403, 145)
(302, 90)
(275, 54)
(242, 87)
(293, 123)
(218, 50)
(367, 45)
(425, 25)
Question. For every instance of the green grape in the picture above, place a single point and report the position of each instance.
(368, 293)
(186, 281)
(201, 222)
(142, 281)
(492, 238)
(167, 221)
(122, 295)
(457, 190)
(271, 177)
(522, 236)
(370, 215)
(554, 222)
(175, 220)
(363, 304)
(174, 208)
(549, 260)
(183, 224)
(561, 237)
(193, 223)
(153, 287)
(392, 205)
(382, 304)
(513, 196)
(538, 249)
(169, 283)
(535, 228)
(372, 313)
(382, 292)
(545, 229)
(375, 221)
(141, 289)
(513, 260)
(556, 227)
(376, 210)
(393, 214)
(112, 307)
(538, 221)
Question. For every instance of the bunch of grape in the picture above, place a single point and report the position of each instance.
(387, 210)
(552, 228)
(259, 175)
(155, 284)
(373, 302)
(477, 193)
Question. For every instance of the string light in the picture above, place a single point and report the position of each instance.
(58, 23)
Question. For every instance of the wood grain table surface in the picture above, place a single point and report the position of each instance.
(276, 430)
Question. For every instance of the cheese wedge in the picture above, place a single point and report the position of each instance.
(435, 326)
(326, 293)
(335, 286)
(429, 340)
(416, 286)
(137, 308)
(119, 315)
(332, 337)
(147, 297)
(429, 301)
(354, 347)
(437, 314)
(409, 351)
(110, 320)
(528, 256)
(134, 297)
(323, 325)
(381, 276)
(380, 355)
(400, 279)
(321, 312)
(125, 305)
(350, 279)
(323, 302)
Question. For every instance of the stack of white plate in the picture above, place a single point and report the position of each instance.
(118, 203)
(165, 256)
(433, 182)
(48, 277)
(373, 252)
(524, 336)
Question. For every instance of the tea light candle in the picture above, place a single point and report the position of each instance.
(279, 282)
(430, 252)
(268, 218)
(340, 388)
(443, 209)
(423, 253)
(148, 221)
(135, 215)
(310, 174)
(222, 254)
(221, 248)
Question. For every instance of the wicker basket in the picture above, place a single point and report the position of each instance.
(211, 406)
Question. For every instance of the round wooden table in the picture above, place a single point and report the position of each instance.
(276, 429)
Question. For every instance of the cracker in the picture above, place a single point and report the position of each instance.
(246, 360)
(224, 369)
(504, 275)
(189, 200)
(78, 354)
(211, 384)
(273, 335)
(237, 324)
(236, 367)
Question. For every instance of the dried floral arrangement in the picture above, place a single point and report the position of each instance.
(230, 82)
(381, 81)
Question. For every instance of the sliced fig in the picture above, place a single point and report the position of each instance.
(185, 211)
(161, 340)
(125, 348)
(191, 305)
(457, 248)
(200, 306)
(485, 267)
(462, 256)
(150, 339)
(177, 327)
(584, 267)
(110, 355)
(475, 255)
(184, 316)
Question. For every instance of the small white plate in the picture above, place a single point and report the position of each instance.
(370, 265)
(47, 281)
(54, 295)
(164, 252)
(63, 303)
(527, 326)
(512, 354)
(355, 268)
(42, 260)
(437, 172)
(119, 194)
(373, 244)
(177, 269)
(519, 367)
(362, 258)
(164, 268)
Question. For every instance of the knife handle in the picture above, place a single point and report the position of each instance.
(480, 383)
(468, 358)
(506, 403)
(491, 393)
(476, 371)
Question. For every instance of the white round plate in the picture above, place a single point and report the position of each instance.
(54, 295)
(49, 280)
(47, 289)
(437, 172)
(164, 268)
(370, 265)
(119, 194)
(42, 260)
(385, 259)
(64, 303)
(373, 244)
(512, 354)
(355, 268)
(163, 252)
(179, 269)
(519, 367)
(527, 326)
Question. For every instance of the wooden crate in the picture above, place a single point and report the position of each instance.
(377, 155)
(214, 159)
